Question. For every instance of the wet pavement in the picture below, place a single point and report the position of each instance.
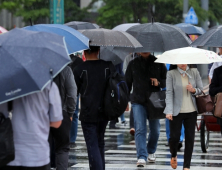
(120, 152)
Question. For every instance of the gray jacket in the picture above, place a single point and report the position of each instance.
(174, 92)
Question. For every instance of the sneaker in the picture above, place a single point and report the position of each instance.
(123, 123)
(152, 157)
(141, 163)
(132, 131)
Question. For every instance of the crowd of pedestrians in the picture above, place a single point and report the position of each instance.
(45, 124)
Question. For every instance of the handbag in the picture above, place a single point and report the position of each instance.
(218, 106)
(204, 103)
(7, 150)
(156, 105)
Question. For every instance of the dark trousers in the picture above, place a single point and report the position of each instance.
(45, 167)
(94, 138)
(60, 148)
(131, 118)
(189, 121)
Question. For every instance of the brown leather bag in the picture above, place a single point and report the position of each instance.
(204, 103)
(218, 105)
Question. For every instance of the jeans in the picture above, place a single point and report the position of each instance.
(74, 126)
(167, 124)
(131, 118)
(122, 117)
(189, 121)
(140, 123)
(94, 138)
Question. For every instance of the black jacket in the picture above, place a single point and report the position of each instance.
(68, 90)
(138, 74)
(216, 85)
(90, 78)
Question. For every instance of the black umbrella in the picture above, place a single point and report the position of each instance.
(78, 25)
(212, 38)
(158, 37)
(28, 61)
(105, 37)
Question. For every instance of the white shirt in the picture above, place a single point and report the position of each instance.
(31, 119)
(214, 66)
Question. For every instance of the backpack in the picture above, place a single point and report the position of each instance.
(116, 96)
(7, 150)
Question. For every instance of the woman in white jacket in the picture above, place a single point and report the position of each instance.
(182, 84)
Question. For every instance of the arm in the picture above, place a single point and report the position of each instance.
(169, 94)
(71, 92)
(215, 85)
(199, 87)
(129, 76)
(55, 107)
(77, 75)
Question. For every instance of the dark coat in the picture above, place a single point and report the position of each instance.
(90, 79)
(216, 85)
(138, 74)
(67, 89)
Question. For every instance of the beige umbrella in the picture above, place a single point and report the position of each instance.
(189, 55)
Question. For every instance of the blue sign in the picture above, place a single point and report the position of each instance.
(191, 17)
(57, 11)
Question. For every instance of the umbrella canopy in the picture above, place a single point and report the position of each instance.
(78, 25)
(124, 27)
(191, 29)
(188, 55)
(158, 37)
(2, 30)
(75, 41)
(212, 38)
(114, 54)
(105, 37)
(28, 61)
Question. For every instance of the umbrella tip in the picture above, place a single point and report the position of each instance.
(138, 20)
(52, 22)
(51, 73)
(30, 20)
(152, 20)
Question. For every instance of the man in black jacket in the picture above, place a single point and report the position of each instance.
(68, 92)
(146, 77)
(90, 78)
(216, 87)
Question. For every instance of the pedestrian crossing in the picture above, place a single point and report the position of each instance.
(120, 152)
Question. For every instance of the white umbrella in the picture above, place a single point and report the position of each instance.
(189, 55)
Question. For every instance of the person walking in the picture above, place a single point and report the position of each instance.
(216, 87)
(32, 116)
(182, 84)
(90, 78)
(76, 60)
(145, 77)
(126, 62)
(68, 92)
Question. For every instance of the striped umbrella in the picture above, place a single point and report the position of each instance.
(2, 30)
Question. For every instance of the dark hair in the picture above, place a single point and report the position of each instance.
(173, 66)
(92, 49)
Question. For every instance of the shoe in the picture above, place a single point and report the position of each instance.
(72, 145)
(132, 131)
(173, 163)
(123, 123)
(141, 163)
(152, 158)
(180, 145)
(167, 144)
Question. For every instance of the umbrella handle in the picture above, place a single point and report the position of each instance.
(51, 73)
(30, 20)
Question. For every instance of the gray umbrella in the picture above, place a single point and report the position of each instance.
(78, 25)
(212, 38)
(105, 37)
(114, 54)
(28, 61)
(124, 27)
(158, 37)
